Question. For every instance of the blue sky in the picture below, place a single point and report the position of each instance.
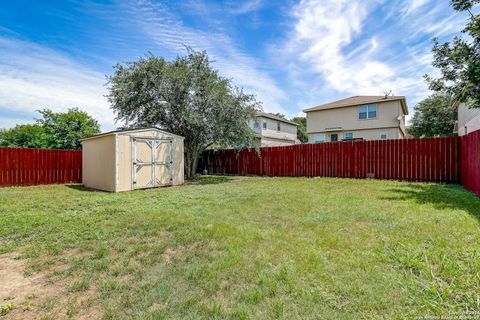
(292, 55)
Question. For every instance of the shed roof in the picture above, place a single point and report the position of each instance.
(130, 131)
(359, 100)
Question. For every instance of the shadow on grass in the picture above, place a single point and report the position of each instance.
(201, 180)
(440, 196)
(80, 187)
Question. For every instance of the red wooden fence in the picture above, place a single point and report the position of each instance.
(20, 167)
(429, 159)
(433, 159)
(470, 164)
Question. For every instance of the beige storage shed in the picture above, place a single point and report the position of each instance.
(132, 159)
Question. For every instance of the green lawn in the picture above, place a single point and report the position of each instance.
(246, 248)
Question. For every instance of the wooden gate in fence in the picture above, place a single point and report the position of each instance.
(20, 167)
(429, 159)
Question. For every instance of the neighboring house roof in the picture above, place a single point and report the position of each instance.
(359, 100)
(273, 117)
(468, 119)
(130, 130)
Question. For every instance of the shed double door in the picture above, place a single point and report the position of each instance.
(152, 162)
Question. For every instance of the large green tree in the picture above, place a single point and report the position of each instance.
(459, 60)
(54, 130)
(302, 128)
(434, 116)
(185, 96)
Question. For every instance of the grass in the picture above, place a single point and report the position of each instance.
(252, 248)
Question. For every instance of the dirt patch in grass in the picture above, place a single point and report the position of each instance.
(172, 254)
(32, 295)
(18, 289)
(156, 307)
(168, 254)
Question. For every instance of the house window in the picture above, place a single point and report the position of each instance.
(383, 135)
(278, 126)
(256, 125)
(334, 137)
(368, 111)
(348, 135)
(319, 138)
(264, 124)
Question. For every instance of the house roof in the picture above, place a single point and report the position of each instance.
(273, 117)
(359, 100)
(130, 130)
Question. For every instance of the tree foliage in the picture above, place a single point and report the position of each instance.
(24, 136)
(301, 129)
(185, 96)
(459, 61)
(65, 129)
(434, 116)
(62, 130)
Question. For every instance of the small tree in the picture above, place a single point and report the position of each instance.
(65, 129)
(434, 116)
(302, 128)
(459, 61)
(185, 96)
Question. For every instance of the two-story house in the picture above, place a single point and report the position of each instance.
(357, 117)
(273, 131)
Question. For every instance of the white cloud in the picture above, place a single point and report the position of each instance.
(359, 47)
(247, 7)
(322, 32)
(11, 122)
(34, 77)
(334, 48)
(410, 6)
(446, 26)
(216, 11)
(169, 32)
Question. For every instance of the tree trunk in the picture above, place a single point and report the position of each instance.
(194, 165)
(191, 160)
